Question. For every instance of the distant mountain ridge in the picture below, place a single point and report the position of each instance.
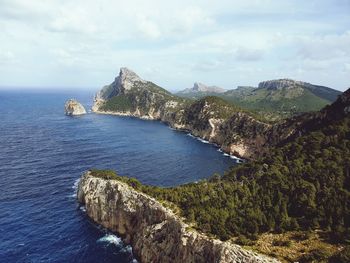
(279, 98)
(236, 129)
(320, 91)
(202, 88)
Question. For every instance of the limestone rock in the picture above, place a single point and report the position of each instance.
(155, 232)
(73, 107)
(200, 87)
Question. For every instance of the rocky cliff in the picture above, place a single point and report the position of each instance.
(237, 131)
(155, 232)
(211, 118)
(202, 88)
(73, 107)
(299, 88)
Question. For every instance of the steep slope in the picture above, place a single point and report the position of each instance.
(284, 97)
(303, 186)
(131, 95)
(155, 232)
(237, 131)
(279, 98)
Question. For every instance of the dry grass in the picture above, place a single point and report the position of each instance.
(290, 246)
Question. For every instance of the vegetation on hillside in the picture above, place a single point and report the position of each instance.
(304, 185)
(276, 104)
(283, 102)
(142, 96)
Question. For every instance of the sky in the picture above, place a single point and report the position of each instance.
(228, 43)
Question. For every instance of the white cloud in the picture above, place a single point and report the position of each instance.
(175, 42)
(149, 28)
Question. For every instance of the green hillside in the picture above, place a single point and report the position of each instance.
(301, 187)
(276, 103)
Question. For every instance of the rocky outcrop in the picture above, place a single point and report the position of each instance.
(136, 97)
(279, 84)
(73, 107)
(155, 232)
(288, 84)
(210, 118)
(215, 120)
(200, 87)
(236, 131)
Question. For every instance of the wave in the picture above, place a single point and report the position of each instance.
(75, 188)
(202, 140)
(83, 209)
(238, 160)
(198, 138)
(75, 185)
(72, 195)
(189, 134)
(110, 239)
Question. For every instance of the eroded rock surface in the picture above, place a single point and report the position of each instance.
(155, 232)
(73, 107)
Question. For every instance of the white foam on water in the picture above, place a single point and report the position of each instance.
(198, 138)
(127, 249)
(189, 134)
(75, 185)
(202, 140)
(83, 209)
(73, 195)
(238, 160)
(110, 239)
(75, 188)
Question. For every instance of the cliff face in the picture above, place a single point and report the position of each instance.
(210, 118)
(299, 88)
(236, 131)
(73, 107)
(130, 95)
(218, 122)
(155, 232)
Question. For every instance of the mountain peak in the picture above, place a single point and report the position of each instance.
(197, 86)
(200, 87)
(127, 78)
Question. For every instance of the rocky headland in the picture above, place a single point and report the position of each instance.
(72, 108)
(236, 131)
(154, 231)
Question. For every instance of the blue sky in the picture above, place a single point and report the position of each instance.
(83, 43)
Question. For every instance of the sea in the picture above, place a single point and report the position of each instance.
(43, 153)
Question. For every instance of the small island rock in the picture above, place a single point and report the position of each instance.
(73, 107)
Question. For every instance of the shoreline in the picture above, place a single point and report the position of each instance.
(188, 132)
(149, 236)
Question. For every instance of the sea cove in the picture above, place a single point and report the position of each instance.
(44, 152)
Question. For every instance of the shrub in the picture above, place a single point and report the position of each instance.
(105, 174)
(315, 255)
(244, 241)
(282, 243)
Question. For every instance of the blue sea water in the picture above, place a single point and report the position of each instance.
(42, 155)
